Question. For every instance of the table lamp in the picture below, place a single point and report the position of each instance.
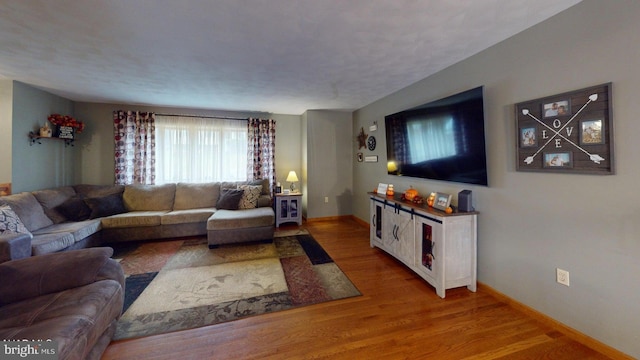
(292, 178)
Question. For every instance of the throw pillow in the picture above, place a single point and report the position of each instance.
(74, 209)
(106, 206)
(229, 199)
(10, 223)
(250, 196)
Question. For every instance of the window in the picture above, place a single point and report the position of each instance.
(194, 149)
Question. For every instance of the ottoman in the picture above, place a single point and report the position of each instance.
(238, 226)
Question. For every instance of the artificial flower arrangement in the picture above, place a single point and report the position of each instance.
(66, 120)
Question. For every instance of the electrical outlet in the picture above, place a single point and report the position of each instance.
(326, 199)
(562, 276)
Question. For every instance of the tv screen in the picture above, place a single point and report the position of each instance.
(440, 140)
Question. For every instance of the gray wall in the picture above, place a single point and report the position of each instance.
(531, 223)
(329, 159)
(45, 165)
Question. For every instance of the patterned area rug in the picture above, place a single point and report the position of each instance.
(182, 284)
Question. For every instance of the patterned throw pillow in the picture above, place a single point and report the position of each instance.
(250, 196)
(10, 222)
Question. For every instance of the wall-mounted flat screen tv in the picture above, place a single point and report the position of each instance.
(441, 140)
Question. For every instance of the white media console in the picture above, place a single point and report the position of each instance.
(439, 247)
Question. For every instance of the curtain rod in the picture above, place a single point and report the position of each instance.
(206, 117)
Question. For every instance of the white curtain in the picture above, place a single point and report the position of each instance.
(195, 149)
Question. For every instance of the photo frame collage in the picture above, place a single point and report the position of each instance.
(569, 132)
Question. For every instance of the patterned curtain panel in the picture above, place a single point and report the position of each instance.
(262, 150)
(135, 143)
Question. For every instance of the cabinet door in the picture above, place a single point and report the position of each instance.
(399, 235)
(284, 208)
(375, 234)
(293, 208)
(429, 247)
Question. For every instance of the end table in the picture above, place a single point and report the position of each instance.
(288, 208)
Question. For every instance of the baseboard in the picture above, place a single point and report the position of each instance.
(566, 330)
(329, 218)
(360, 221)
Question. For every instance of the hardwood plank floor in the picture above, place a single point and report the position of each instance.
(399, 316)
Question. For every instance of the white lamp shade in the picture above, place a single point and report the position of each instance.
(292, 177)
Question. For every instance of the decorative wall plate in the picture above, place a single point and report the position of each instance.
(371, 143)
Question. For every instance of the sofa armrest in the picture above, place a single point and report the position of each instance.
(14, 246)
(50, 273)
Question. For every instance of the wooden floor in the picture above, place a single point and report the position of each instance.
(399, 316)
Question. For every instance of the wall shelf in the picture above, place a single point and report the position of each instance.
(33, 138)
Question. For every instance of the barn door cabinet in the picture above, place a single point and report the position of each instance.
(439, 247)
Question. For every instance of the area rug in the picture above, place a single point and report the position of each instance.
(182, 284)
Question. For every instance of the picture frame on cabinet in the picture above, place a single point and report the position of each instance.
(442, 201)
(382, 189)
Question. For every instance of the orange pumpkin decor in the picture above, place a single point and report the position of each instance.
(390, 191)
(410, 194)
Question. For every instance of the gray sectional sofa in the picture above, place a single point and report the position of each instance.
(74, 217)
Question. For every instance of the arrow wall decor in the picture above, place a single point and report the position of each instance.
(566, 133)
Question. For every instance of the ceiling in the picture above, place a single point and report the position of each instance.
(276, 56)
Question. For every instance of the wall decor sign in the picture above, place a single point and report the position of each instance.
(566, 133)
(362, 139)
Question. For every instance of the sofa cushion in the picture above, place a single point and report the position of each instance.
(248, 218)
(106, 206)
(229, 199)
(51, 242)
(10, 222)
(250, 195)
(264, 183)
(187, 216)
(79, 229)
(196, 196)
(133, 219)
(75, 209)
(50, 199)
(28, 210)
(94, 191)
(149, 197)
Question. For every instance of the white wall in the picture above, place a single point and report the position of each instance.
(531, 223)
